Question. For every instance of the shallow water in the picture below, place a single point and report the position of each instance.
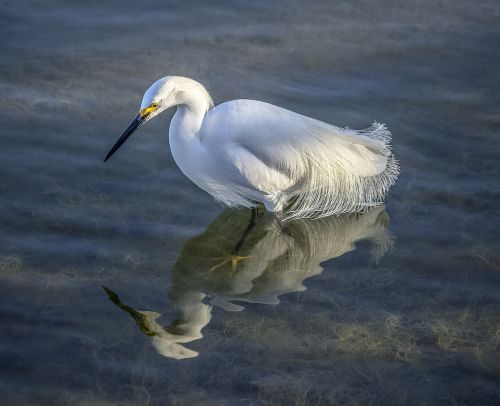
(399, 305)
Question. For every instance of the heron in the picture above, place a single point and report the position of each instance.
(248, 152)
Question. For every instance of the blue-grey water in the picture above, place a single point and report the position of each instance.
(116, 281)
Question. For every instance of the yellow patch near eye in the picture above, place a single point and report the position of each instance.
(148, 110)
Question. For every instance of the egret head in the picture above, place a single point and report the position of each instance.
(159, 97)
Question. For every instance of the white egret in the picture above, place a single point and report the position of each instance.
(245, 152)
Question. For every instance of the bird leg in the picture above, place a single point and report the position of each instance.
(283, 228)
(251, 225)
(234, 257)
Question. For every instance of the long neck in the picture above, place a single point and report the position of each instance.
(193, 102)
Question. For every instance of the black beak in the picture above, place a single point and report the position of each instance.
(134, 125)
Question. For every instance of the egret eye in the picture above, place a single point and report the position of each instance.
(155, 104)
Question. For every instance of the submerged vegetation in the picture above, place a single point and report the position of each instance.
(366, 325)
(342, 311)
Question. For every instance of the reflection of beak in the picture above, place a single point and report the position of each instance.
(134, 125)
(139, 120)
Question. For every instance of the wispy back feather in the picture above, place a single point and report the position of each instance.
(349, 174)
(303, 165)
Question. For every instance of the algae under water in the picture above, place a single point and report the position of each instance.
(398, 305)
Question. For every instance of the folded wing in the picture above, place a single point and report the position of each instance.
(317, 168)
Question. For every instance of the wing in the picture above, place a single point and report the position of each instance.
(330, 170)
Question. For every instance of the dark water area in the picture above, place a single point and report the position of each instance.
(398, 305)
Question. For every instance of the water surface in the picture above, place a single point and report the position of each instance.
(398, 305)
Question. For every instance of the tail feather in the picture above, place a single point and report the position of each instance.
(350, 174)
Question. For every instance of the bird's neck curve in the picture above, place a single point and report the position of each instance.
(193, 103)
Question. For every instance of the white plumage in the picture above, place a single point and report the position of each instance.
(245, 152)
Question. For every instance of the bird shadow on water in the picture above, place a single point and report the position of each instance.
(269, 262)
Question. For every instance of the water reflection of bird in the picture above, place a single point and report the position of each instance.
(271, 264)
(245, 152)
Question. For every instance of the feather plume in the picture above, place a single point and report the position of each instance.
(293, 162)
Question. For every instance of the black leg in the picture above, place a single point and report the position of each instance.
(234, 258)
(251, 225)
(283, 228)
